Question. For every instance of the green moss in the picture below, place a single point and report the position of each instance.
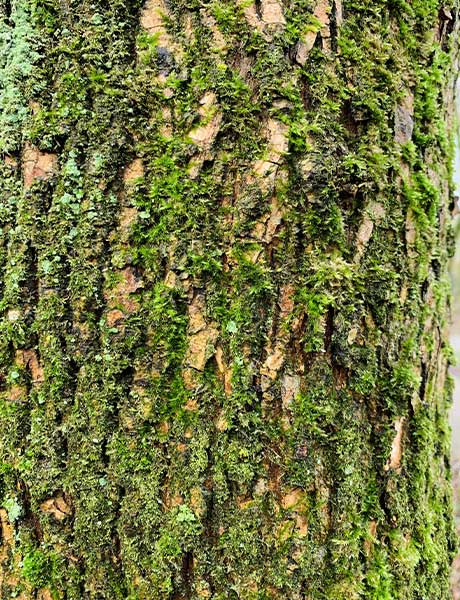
(37, 568)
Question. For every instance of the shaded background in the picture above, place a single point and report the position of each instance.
(455, 370)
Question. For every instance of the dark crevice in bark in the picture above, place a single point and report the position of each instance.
(7, 10)
(333, 26)
(30, 519)
(348, 118)
(32, 284)
(423, 384)
(71, 383)
(383, 500)
(306, 97)
(447, 18)
(424, 289)
(258, 7)
(64, 450)
(105, 457)
(187, 573)
(436, 267)
(329, 329)
(116, 550)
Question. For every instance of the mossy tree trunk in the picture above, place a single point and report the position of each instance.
(225, 229)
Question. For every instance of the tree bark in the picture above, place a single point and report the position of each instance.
(225, 233)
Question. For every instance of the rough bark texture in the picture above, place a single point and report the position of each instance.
(225, 229)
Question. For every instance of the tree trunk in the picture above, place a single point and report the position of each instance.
(225, 232)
